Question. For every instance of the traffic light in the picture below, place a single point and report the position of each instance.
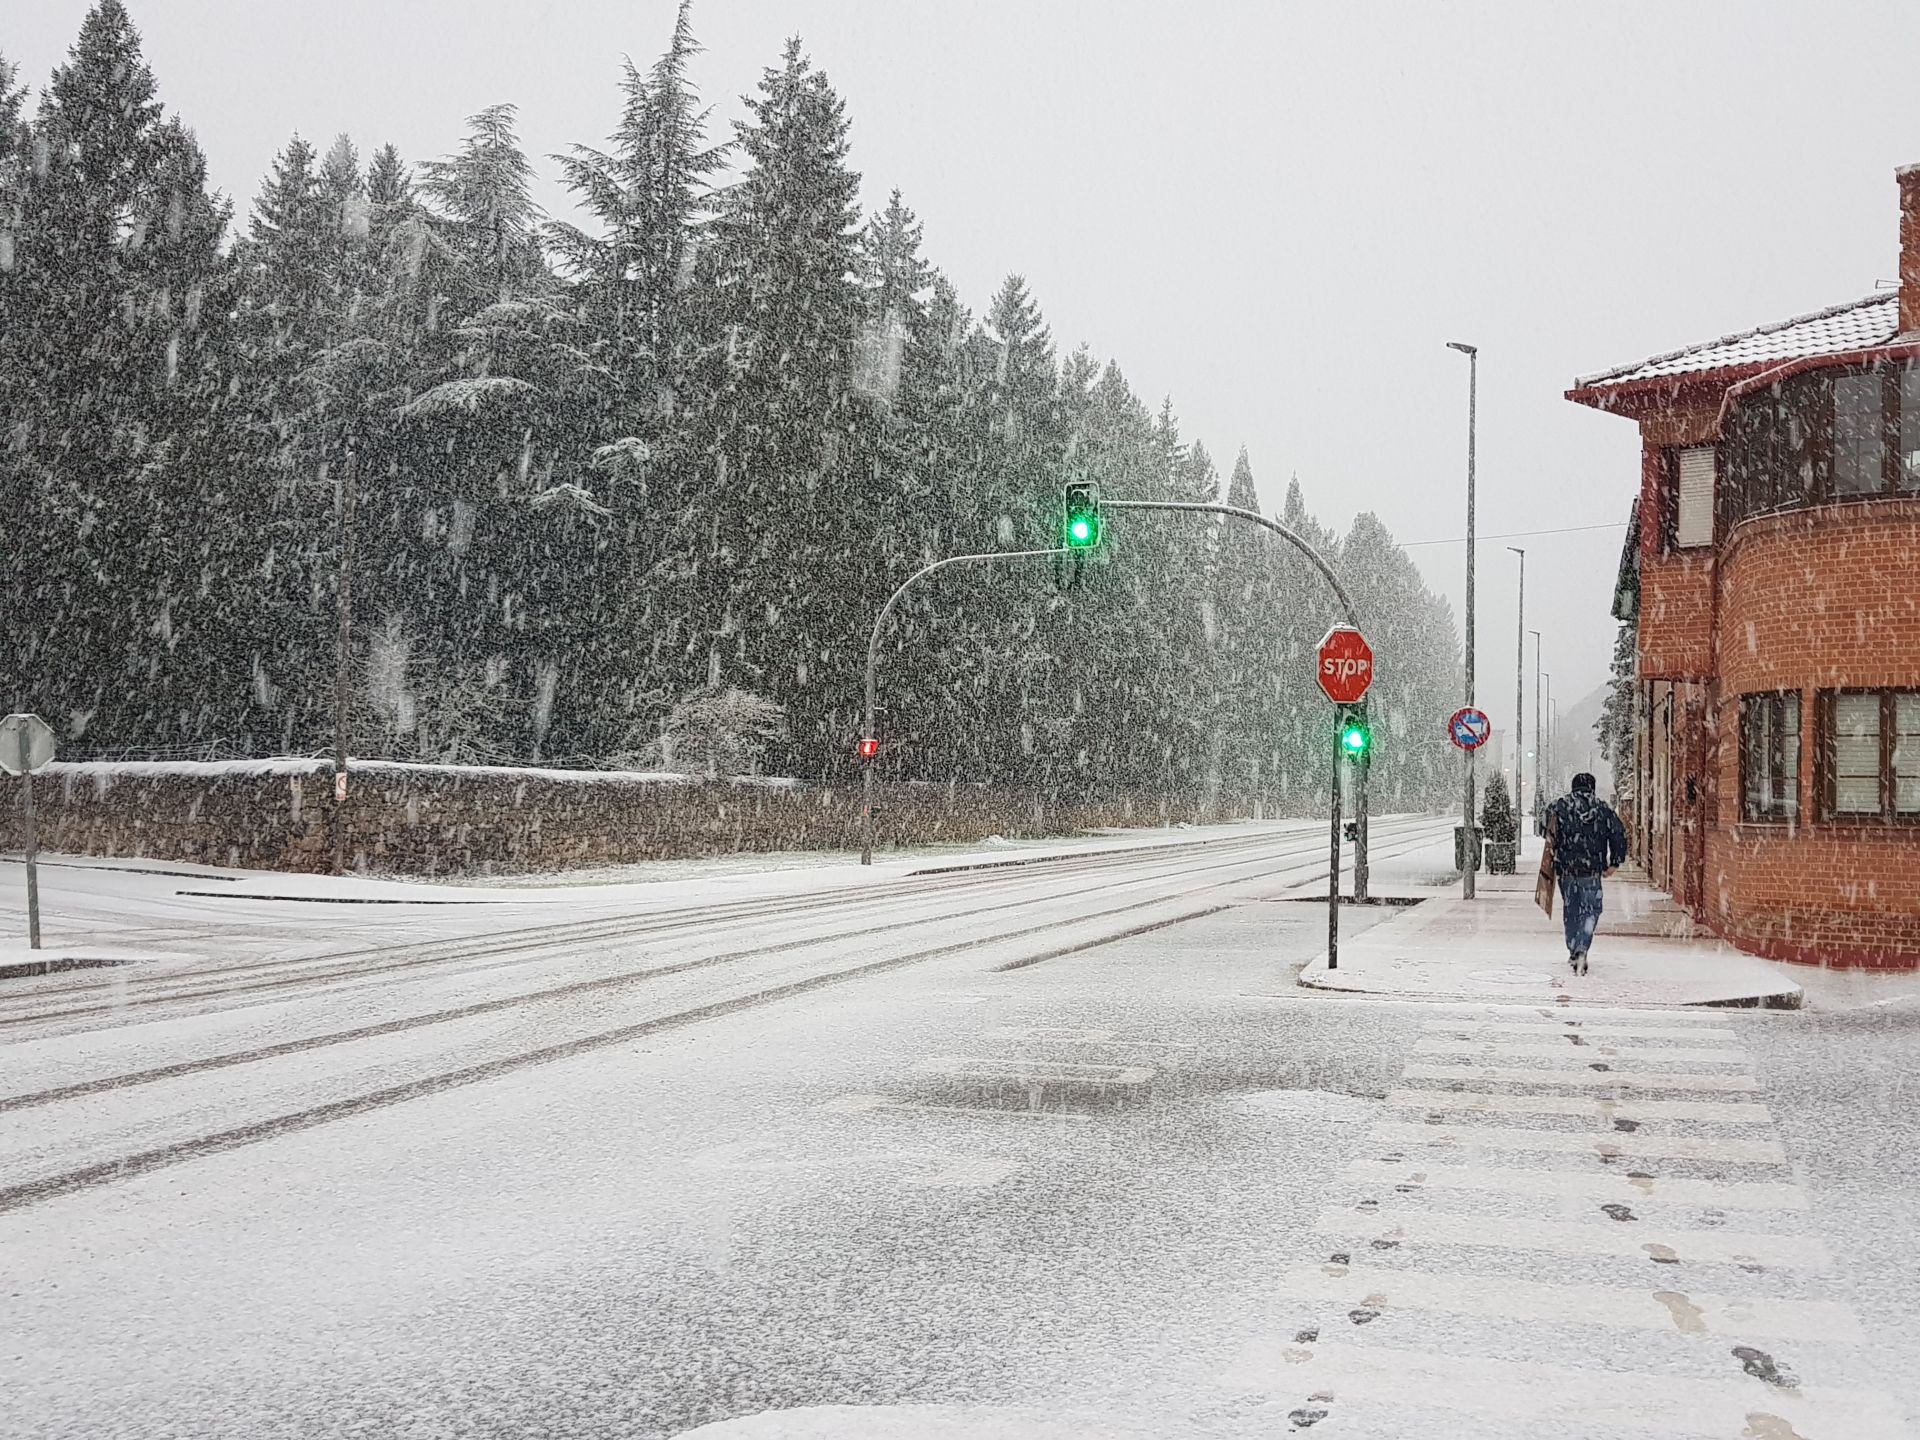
(869, 747)
(1082, 517)
(1356, 735)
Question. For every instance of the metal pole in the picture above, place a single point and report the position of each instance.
(1207, 508)
(1360, 819)
(1520, 695)
(1466, 803)
(1346, 610)
(873, 661)
(26, 825)
(1539, 799)
(343, 662)
(1333, 864)
(1546, 735)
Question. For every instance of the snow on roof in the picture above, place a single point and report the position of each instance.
(1854, 326)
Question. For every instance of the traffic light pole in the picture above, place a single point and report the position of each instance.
(1319, 562)
(869, 736)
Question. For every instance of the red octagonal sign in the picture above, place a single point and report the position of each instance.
(1346, 665)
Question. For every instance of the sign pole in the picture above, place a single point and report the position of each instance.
(33, 868)
(1333, 862)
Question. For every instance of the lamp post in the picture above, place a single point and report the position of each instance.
(1520, 691)
(1539, 801)
(1546, 733)
(1469, 856)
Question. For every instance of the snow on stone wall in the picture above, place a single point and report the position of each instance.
(278, 814)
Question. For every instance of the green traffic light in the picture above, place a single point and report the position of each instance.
(1082, 516)
(1354, 738)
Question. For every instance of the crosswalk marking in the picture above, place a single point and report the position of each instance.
(1562, 1398)
(1725, 1111)
(1604, 1078)
(1477, 1098)
(1601, 1050)
(1604, 1144)
(1657, 1245)
(1654, 1307)
(1583, 1185)
(1561, 1027)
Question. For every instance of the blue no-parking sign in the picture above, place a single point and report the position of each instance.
(1469, 728)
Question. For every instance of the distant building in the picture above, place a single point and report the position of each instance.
(1774, 575)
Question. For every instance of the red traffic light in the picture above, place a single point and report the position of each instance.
(869, 747)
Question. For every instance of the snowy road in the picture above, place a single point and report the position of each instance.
(932, 1160)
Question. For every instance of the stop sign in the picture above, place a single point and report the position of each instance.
(1346, 665)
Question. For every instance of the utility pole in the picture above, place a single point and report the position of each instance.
(1520, 692)
(343, 658)
(1470, 857)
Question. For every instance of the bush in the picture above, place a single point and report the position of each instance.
(1498, 824)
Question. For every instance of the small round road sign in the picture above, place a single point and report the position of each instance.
(1346, 665)
(26, 743)
(1469, 728)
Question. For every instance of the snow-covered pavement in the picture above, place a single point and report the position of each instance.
(960, 1189)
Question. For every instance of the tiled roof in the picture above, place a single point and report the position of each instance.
(1853, 326)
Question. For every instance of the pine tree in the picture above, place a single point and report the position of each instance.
(649, 191)
(784, 310)
(1614, 727)
(110, 380)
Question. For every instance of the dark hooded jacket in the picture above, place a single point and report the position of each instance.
(1588, 837)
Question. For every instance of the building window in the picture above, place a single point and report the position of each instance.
(1770, 756)
(1693, 503)
(1870, 754)
(1910, 428)
(1857, 446)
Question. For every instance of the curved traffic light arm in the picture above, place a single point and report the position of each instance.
(1205, 507)
(868, 734)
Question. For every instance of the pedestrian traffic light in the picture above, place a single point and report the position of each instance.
(1356, 735)
(1082, 516)
(869, 747)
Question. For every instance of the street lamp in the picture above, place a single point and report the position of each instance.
(1539, 800)
(1466, 804)
(1520, 690)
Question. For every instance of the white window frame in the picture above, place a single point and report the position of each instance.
(1695, 474)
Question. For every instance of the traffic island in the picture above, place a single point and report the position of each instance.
(1501, 947)
(20, 962)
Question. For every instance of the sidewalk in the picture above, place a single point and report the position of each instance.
(1499, 946)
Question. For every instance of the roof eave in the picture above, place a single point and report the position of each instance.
(1635, 397)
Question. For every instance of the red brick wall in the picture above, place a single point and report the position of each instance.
(1816, 599)
(1676, 589)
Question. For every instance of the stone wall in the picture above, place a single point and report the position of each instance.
(424, 820)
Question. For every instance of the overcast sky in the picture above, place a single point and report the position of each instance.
(1276, 213)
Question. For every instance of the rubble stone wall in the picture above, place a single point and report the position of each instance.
(425, 820)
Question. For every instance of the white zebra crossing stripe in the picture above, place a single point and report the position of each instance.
(1566, 1051)
(1544, 1075)
(1560, 1399)
(1603, 1144)
(1582, 1185)
(1659, 1246)
(1561, 1027)
(1725, 1112)
(1653, 1307)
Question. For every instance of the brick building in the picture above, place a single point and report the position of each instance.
(1774, 574)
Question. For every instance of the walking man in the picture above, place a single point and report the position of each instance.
(1588, 843)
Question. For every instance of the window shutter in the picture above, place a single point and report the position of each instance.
(1693, 517)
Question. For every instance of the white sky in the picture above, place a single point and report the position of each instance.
(1278, 213)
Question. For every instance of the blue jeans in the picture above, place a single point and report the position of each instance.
(1580, 910)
